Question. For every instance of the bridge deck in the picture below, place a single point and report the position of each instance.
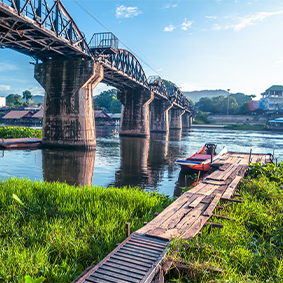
(138, 258)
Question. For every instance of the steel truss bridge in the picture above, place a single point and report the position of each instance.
(44, 29)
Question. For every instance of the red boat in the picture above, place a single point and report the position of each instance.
(20, 143)
(202, 158)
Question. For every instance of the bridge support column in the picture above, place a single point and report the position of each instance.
(135, 112)
(68, 105)
(159, 121)
(186, 120)
(176, 118)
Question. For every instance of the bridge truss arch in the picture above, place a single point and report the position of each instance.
(158, 86)
(123, 70)
(41, 31)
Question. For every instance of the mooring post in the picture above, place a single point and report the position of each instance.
(128, 232)
(250, 158)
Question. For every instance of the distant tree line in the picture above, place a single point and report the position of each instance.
(16, 99)
(238, 104)
(108, 101)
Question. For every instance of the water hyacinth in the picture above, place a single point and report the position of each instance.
(56, 231)
(7, 132)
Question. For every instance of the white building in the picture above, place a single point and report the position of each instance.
(2, 101)
(272, 98)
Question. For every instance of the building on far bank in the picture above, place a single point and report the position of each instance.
(2, 101)
(272, 99)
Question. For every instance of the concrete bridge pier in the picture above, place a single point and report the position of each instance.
(176, 118)
(159, 120)
(135, 112)
(186, 120)
(68, 105)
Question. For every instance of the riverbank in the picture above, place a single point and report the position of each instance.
(249, 247)
(56, 231)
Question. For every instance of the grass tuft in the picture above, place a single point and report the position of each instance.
(56, 231)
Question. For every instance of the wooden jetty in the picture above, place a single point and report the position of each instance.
(139, 257)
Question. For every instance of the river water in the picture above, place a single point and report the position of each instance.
(123, 161)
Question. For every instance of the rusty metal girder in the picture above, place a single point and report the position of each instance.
(35, 29)
(157, 85)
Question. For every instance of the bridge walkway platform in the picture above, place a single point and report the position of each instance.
(139, 257)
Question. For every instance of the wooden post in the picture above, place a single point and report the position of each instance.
(276, 162)
(128, 232)
(198, 175)
(250, 158)
(211, 154)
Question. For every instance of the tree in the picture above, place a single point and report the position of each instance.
(13, 100)
(107, 100)
(27, 95)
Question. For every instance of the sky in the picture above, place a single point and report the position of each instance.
(196, 44)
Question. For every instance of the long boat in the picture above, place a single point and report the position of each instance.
(202, 158)
(20, 143)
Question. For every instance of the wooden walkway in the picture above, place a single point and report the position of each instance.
(139, 257)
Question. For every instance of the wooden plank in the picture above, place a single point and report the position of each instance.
(140, 256)
(213, 182)
(145, 248)
(231, 188)
(190, 218)
(106, 278)
(211, 207)
(142, 252)
(162, 233)
(208, 190)
(96, 280)
(114, 275)
(197, 201)
(147, 245)
(128, 265)
(195, 189)
(108, 268)
(228, 172)
(196, 227)
(126, 268)
(165, 214)
(131, 260)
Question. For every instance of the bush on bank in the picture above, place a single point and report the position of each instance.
(7, 132)
(249, 249)
(56, 231)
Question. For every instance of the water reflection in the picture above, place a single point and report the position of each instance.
(74, 167)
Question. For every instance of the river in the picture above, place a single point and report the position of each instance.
(124, 161)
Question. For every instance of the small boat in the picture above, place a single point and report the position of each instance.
(202, 158)
(20, 143)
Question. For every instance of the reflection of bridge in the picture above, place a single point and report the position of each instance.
(69, 69)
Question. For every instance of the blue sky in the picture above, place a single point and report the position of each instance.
(197, 44)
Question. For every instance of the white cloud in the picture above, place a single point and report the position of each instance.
(211, 17)
(186, 24)
(127, 12)
(169, 6)
(5, 87)
(169, 28)
(7, 67)
(279, 61)
(244, 22)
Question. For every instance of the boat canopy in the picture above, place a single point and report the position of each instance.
(278, 120)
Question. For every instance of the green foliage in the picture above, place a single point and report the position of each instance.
(27, 95)
(29, 279)
(201, 118)
(168, 85)
(107, 100)
(13, 100)
(61, 230)
(238, 104)
(249, 249)
(7, 132)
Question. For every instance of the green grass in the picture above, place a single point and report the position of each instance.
(249, 249)
(245, 127)
(56, 231)
(7, 132)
